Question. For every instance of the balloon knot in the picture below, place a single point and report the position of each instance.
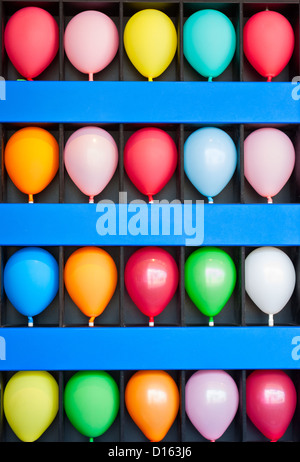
(150, 199)
(91, 199)
(210, 79)
(151, 321)
(210, 200)
(30, 321)
(269, 79)
(30, 199)
(91, 321)
(270, 200)
(91, 77)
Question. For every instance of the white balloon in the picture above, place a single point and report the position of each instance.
(270, 279)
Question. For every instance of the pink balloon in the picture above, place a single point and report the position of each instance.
(91, 159)
(31, 40)
(269, 159)
(91, 41)
(270, 402)
(211, 402)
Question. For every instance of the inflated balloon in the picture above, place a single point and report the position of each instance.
(270, 279)
(269, 40)
(211, 402)
(91, 42)
(91, 158)
(210, 278)
(269, 159)
(90, 277)
(91, 402)
(209, 42)
(152, 400)
(31, 159)
(30, 401)
(210, 159)
(270, 402)
(31, 40)
(150, 160)
(31, 280)
(150, 41)
(151, 278)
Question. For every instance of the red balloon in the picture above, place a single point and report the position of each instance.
(150, 159)
(270, 402)
(31, 40)
(151, 279)
(268, 42)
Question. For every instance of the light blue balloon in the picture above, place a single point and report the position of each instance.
(31, 280)
(209, 42)
(210, 159)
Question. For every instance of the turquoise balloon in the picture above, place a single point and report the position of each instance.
(209, 42)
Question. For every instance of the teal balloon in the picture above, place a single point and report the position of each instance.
(209, 42)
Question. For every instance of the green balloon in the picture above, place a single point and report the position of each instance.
(210, 277)
(91, 402)
(209, 42)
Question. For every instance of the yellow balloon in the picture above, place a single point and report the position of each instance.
(31, 159)
(30, 403)
(150, 41)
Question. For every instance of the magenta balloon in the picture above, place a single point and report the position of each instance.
(211, 402)
(269, 159)
(91, 159)
(271, 400)
(91, 41)
(31, 40)
(151, 278)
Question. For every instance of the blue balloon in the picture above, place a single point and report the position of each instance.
(31, 280)
(210, 159)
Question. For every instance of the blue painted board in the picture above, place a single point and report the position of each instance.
(89, 224)
(135, 348)
(150, 102)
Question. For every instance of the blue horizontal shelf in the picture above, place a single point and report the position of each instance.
(135, 348)
(208, 224)
(149, 102)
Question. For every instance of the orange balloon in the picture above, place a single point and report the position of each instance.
(90, 277)
(152, 400)
(31, 159)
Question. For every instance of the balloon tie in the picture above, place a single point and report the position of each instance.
(151, 321)
(91, 439)
(210, 200)
(210, 79)
(271, 320)
(91, 77)
(30, 321)
(212, 441)
(91, 200)
(211, 321)
(30, 80)
(150, 199)
(91, 321)
(269, 78)
(30, 199)
(270, 200)
(150, 79)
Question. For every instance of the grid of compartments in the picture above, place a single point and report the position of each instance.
(239, 311)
